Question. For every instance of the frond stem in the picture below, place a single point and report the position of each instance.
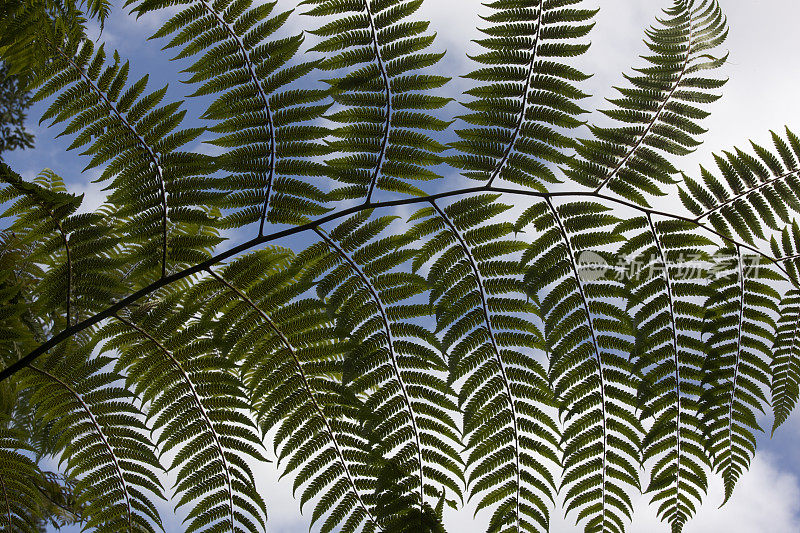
(200, 407)
(68, 252)
(387, 95)
(77, 516)
(392, 355)
(526, 100)
(787, 258)
(677, 373)
(306, 384)
(736, 369)
(745, 194)
(496, 349)
(313, 225)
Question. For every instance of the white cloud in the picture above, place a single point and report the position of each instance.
(765, 495)
(93, 194)
(767, 499)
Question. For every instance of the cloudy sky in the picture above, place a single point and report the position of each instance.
(761, 96)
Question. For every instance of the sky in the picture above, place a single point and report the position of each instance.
(760, 96)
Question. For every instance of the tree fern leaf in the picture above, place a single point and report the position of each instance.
(537, 96)
(190, 390)
(759, 190)
(380, 61)
(585, 339)
(741, 331)
(659, 103)
(785, 367)
(79, 395)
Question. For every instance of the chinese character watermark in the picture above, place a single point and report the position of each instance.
(592, 266)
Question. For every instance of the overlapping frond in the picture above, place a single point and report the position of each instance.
(101, 435)
(396, 367)
(659, 111)
(492, 345)
(290, 359)
(588, 338)
(379, 56)
(667, 293)
(197, 407)
(527, 100)
(393, 361)
(740, 333)
(760, 193)
(158, 191)
(266, 128)
(77, 252)
(786, 359)
(20, 498)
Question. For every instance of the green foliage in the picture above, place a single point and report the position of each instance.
(758, 191)
(14, 103)
(101, 437)
(477, 293)
(18, 482)
(385, 126)
(742, 311)
(526, 104)
(659, 109)
(587, 340)
(785, 367)
(504, 346)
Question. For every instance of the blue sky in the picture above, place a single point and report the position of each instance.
(760, 96)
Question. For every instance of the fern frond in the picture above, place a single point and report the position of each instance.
(786, 360)
(30, 28)
(393, 361)
(265, 127)
(760, 193)
(529, 93)
(740, 332)
(658, 111)
(195, 403)
(475, 289)
(101, 436)
(20, 478)
(157, 190)
(666, 302)
(291, 360)
(588, 337)
(77, 251)
(385, 138)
